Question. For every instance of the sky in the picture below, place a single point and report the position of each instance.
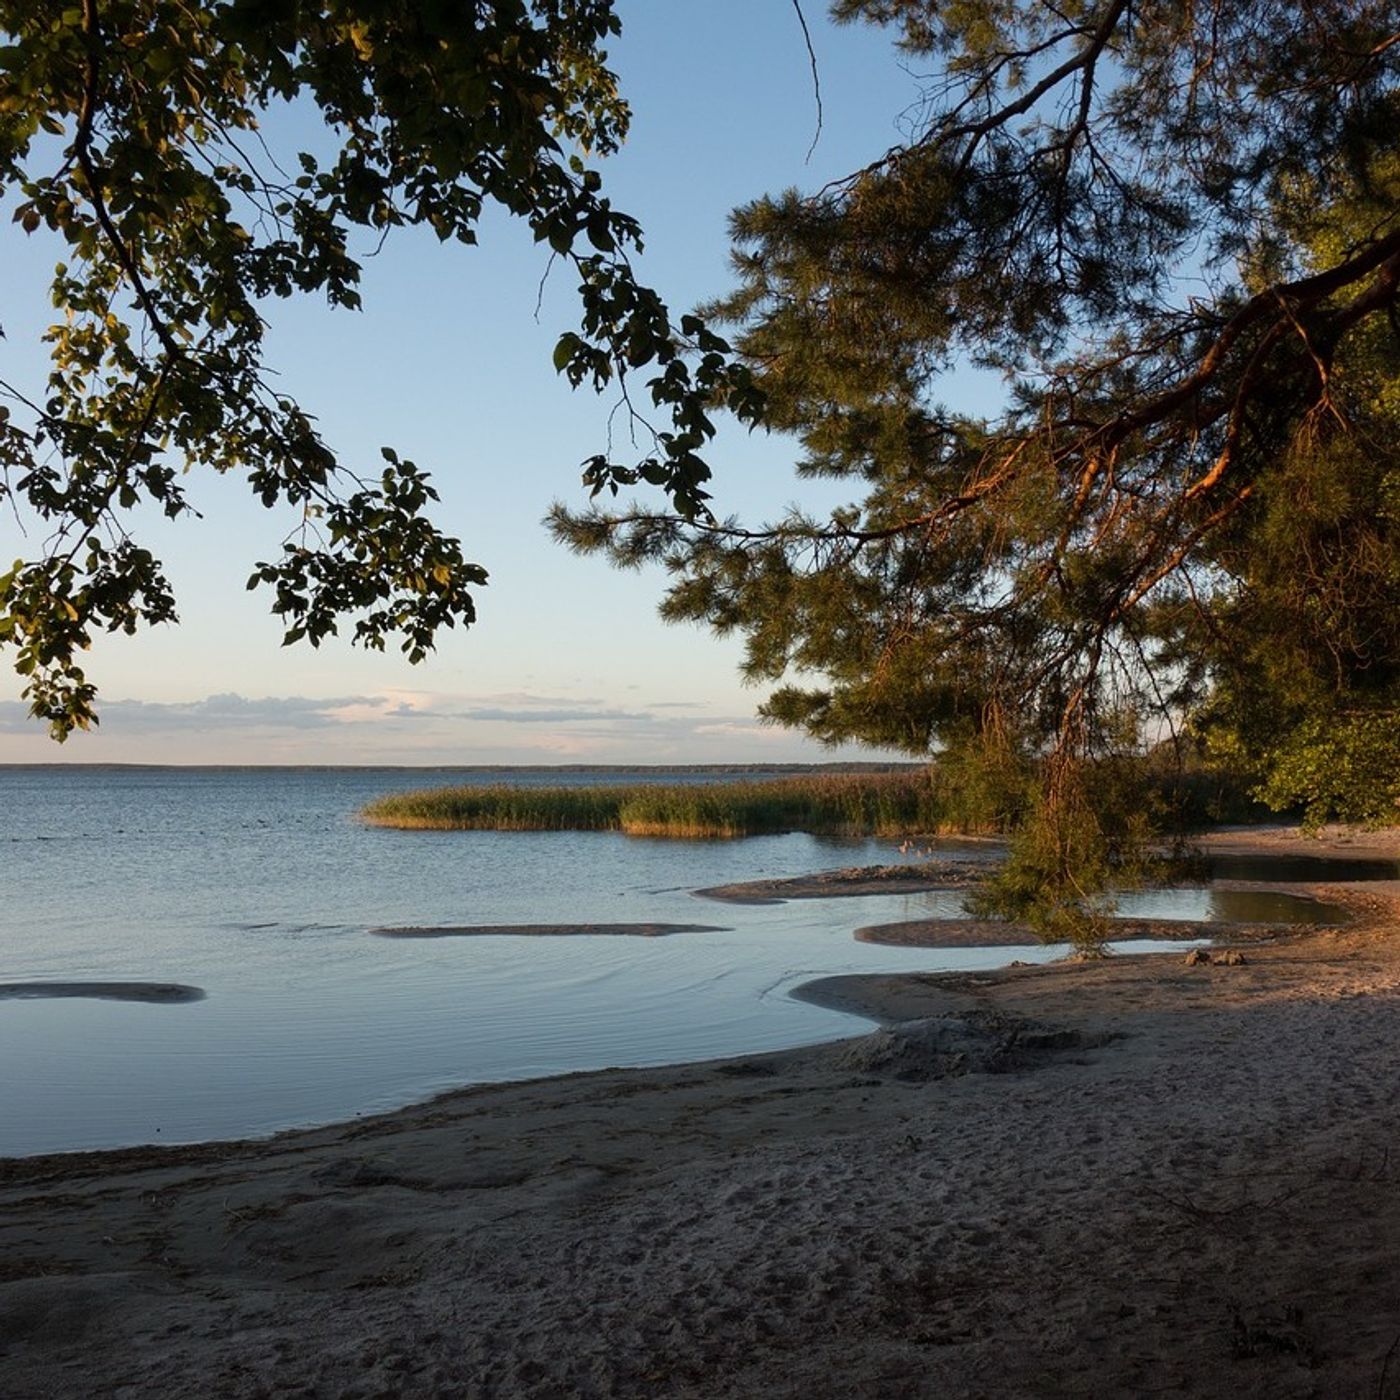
(450, 363)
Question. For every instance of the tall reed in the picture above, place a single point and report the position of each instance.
(947, 796)
(879, 804)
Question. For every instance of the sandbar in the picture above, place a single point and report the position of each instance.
(988, 933)
(1120, 1177)
(155, 992)
(545, 930)
(948, 874)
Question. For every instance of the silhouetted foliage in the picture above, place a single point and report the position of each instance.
(1174, 230)
(134, 132)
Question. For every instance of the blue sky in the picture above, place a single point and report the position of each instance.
(449, 364)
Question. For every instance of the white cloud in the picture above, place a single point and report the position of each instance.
(406, 727)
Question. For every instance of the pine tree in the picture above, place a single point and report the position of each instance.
(1174, 230)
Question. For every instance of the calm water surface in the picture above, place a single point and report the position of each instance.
(260, 886)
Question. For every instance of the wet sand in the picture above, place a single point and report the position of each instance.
(1113, 1178)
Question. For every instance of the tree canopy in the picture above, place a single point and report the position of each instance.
(140, 134)
(1173, 230)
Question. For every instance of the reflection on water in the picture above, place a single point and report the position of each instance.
(1189, 904)
(1228, 906)
(259, 886)
(1290, 869)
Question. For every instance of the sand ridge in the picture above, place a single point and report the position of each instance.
(1123, 1177)
(946, 873)
(635, 930)
(989, 933)
(102, 991)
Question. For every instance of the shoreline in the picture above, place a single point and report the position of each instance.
(1105, 1178)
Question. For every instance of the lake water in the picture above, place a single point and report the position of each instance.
(260, 887)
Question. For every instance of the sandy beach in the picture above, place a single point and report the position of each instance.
(1117, 1178)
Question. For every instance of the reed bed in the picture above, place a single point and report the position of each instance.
(874, 804)
(940, 799)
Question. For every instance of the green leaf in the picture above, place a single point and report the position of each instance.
(565, 349)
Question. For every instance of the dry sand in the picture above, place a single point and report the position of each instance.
(1123, 1178)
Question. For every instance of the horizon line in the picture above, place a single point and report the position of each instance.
(849, 764)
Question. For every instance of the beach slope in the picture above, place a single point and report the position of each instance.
(1116, 1178)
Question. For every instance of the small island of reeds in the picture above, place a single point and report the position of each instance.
(873, 804)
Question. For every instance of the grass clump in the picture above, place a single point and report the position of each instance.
(866, 804)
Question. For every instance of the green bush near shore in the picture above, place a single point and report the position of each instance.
(876, 804)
